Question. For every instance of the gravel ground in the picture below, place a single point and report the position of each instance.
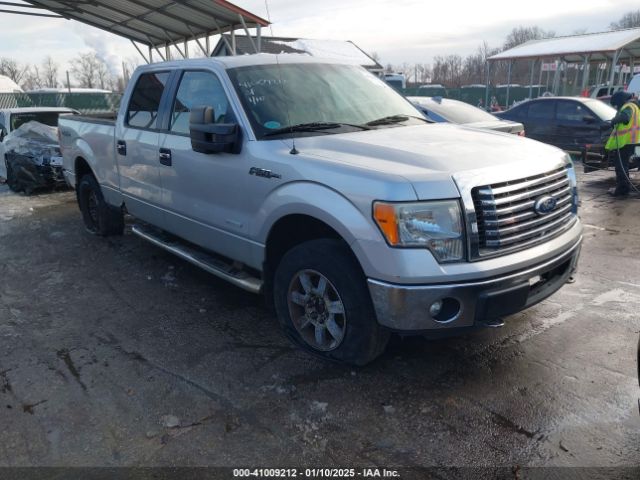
(115, 353)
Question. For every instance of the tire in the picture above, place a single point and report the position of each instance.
(323, 303)
(12, 181)
(99, 217)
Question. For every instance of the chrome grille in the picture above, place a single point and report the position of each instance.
(506, 214)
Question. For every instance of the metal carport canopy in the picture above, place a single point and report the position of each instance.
(156, 23)
(599, 46)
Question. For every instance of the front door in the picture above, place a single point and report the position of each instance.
(204, 195)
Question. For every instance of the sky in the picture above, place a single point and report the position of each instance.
(399, 31)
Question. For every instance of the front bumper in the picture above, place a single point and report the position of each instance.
(405, 308)
(29, 174)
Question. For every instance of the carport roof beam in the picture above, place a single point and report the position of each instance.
(154, 23)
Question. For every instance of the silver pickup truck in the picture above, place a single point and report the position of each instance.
(314, 183)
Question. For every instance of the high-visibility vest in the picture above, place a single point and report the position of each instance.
(628, 134)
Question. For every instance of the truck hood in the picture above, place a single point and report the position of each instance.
(431, 155)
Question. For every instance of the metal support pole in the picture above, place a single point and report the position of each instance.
(508, 83)
(259, 37)
(531, 64)
(540, 76)
(233, 40)
(612, 78)
(585, 71)
(140, 52)
(487, 69)
(150, 54)
(207, 44)
(246, 31)
(186, 49)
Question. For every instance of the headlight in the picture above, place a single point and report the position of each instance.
(434, 225)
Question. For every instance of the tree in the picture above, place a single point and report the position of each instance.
(32, 79)
(49, 72)
(628, 20)
(13, 69)
(91, 72)
(520, 35)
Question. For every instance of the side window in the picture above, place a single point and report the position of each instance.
(541, 110)
(572, 112)
(198, 89)
(519, 111)
(145, 100)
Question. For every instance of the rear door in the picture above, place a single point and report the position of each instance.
(540, 121)
(205, 195)
(137, 140)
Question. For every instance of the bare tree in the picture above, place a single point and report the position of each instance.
(520, 35)
(49, 72)
(628, 20)
(12, 69)
(91, 72)
(32, 79)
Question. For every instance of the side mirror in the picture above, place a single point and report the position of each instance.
(588, 119)
(210, 137)
(3, 133)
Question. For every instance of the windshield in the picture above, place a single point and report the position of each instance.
(602, 110)
(48, 118)
(459, 112)
(277, 97)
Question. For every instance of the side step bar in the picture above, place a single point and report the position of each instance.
(208, 262)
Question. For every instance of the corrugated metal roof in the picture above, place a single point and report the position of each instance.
(601, 46)
(155, 22)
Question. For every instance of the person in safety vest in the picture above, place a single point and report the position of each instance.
(623, 140)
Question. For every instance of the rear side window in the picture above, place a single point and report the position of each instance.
(198, 89)
(541, 110)
(145, 100)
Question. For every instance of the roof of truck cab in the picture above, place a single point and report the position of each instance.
(247, 60)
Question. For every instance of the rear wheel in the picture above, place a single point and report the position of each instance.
(323, 303)
(99, 217)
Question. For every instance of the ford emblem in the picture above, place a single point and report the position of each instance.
(544, 205)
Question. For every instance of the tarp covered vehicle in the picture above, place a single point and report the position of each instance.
(33, 159)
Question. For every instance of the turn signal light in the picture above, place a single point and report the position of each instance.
(385, 216)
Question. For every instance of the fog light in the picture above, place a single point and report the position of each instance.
(435, 308)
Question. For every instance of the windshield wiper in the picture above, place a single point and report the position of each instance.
(392, 119)
(313, 127)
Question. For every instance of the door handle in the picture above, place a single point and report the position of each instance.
(165, 157)
(121, 147)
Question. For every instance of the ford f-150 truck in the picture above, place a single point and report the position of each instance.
(316, 184)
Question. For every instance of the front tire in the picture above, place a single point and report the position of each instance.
(323, 303)
(99, 217)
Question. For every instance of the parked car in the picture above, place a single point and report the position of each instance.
(574, 124)
(316, 184)
(453, 111)
(634, 85)
(11, 120)
(603, 92)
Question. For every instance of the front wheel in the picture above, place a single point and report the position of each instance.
(99, 217)
(323, 303)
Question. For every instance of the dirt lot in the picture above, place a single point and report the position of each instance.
(113, 352)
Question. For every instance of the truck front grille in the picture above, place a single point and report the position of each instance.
(514, 214)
